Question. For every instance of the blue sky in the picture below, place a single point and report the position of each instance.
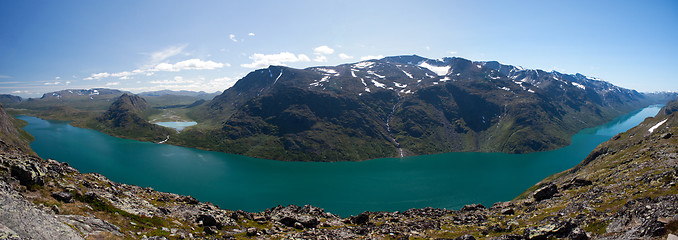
(208, 45)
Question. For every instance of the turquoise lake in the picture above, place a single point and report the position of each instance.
(448, 180)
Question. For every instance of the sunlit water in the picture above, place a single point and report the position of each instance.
(448, 180)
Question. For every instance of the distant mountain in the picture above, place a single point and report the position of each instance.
(96, 99)
(125, 118)
(404, 105)
(9, 99)
(201, 95)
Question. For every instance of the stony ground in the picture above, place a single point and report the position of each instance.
(626, 189)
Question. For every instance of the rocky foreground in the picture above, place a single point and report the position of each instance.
(625, 189)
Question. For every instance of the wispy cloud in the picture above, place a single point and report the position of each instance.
(112, 84)
(264, 60)
(250, 34)
(98, 76)
(166, 53)
(5, 76)
(52, 83)
(232, 37)
(191, 64)
(344, 56)
(323, 50)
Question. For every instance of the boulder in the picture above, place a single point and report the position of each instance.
(559, 229)
(361, 219)
(545, 192)
(208, 220)
(472, 207)
(507, 211)
(63, 196)
(28, 173)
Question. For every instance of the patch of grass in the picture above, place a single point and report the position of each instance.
(597, 227)
(99, 205)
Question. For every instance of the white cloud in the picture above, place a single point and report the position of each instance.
(52, 83)
(192, 64)
(68, 82)
(250, 34)
(264, 60)
(166, 53)
(320, 59)
(428, 48)
(344, 56)
(323, 50)
(57, 78)
(363, 58)
(98, 76)
(19, 91)
(453, 52)
(232, 37)
(112, 84)
(5, 76)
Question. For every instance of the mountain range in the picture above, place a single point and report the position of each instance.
(404, 105)
(390, 107)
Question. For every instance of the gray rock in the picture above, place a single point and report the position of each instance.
(23, 219)
(63, 196)
(578, 234)
(555, 229)
(472, 207)
(90, 225)
(28, 173)
(251, 232)
(507, 211)
(545, 192)
(465, 237)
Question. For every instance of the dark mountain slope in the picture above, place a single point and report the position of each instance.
(125, 118)
(12, 134)
(404, 105)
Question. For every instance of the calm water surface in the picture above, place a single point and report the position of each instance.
(176, 125)
(448, 180)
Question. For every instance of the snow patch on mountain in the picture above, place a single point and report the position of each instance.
(579, 85)
(378, 84)
(440, 70)
(362, 65)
